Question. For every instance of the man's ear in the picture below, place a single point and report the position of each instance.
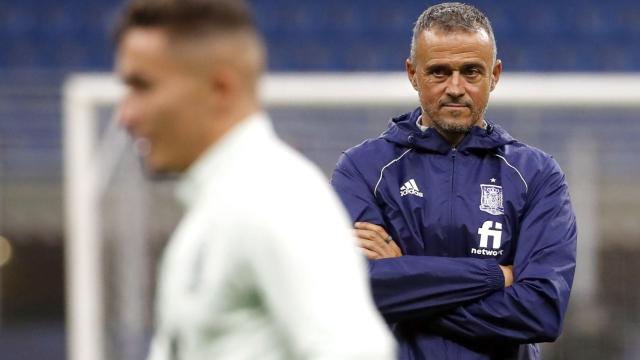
(411, 73)
(495, 74)
(224, 85)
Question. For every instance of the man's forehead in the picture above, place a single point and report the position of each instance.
(461, 43)
(456, 35)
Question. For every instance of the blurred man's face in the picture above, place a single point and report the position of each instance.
(453, 74)
(166, 107)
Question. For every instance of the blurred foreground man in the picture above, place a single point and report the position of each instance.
(248, 273)
(470, 233)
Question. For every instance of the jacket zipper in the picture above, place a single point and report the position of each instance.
(451, 196)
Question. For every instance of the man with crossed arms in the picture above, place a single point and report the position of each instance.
(470, 234)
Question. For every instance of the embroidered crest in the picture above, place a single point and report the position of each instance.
(491, 199)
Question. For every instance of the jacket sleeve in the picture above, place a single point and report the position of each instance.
(412, 286)
(533, 308)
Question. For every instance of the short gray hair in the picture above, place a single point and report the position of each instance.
(452, 17)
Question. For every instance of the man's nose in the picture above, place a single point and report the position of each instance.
(124, 114)
(455, 85)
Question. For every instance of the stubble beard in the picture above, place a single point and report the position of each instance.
(451, 125)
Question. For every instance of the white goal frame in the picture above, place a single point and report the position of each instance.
(84, 180)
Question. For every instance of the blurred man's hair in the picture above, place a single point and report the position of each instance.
(187, 17)
(452, 17)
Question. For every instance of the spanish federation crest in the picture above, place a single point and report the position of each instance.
(491, 199)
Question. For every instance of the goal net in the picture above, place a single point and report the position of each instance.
(117, 220)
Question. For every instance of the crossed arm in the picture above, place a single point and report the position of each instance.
(376, 244)
(528, 310)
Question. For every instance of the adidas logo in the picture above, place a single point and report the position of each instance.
(410, 188)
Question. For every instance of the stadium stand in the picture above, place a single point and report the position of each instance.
(568, 35)
(41, 41)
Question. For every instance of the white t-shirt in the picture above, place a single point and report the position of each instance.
(263, 264)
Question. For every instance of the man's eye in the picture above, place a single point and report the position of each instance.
(137, 84)
(472, 72)
(141, 85)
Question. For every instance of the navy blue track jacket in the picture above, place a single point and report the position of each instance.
(456, 213)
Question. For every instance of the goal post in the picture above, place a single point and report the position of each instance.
(95, 149)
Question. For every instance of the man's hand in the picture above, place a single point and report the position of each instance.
(375, 242)
(507, 271)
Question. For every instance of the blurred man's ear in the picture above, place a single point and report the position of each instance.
(224, 84)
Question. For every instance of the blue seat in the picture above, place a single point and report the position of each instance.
(344, 35)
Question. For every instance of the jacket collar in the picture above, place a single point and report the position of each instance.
(404, 131)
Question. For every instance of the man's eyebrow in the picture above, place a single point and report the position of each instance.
(446, 66)
(473, 64)
(438, 66)
(464, 63)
